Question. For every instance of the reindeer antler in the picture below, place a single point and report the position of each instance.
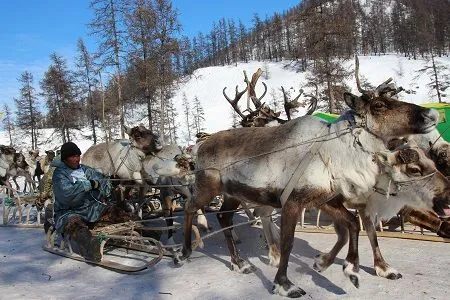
(312, 104)
(290, 105)
(236, 99)
(386, 88)
(251, 91)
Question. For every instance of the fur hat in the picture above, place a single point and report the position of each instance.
(69, 149)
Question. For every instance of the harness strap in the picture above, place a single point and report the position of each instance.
(300, 168)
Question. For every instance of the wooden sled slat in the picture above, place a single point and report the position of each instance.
(386, 234)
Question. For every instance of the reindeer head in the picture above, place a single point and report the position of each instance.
(440, 154)
(50, 155)
(262, 115)
(385, 116)
(19, 160)
(413, 173)
(144, 139)
(7, 154)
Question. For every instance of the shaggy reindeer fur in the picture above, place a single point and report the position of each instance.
(123, 158)
(255, 165)
(163, 169)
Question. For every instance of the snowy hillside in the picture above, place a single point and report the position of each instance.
(207, 84)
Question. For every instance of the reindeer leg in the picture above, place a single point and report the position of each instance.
(324, 260)
(271, 233)
(207, 185)
(289, 217)
(225, 217)
(336, 209)
(382, 268)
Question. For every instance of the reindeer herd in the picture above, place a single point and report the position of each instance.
(382, 156)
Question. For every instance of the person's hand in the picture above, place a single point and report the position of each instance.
(115, 180)
(94, 184)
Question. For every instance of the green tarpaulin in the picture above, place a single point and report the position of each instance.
(443, 125)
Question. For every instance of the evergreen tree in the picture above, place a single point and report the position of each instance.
(27, 112)
(199, 115)
(439, 77)
(57, 88)
(8, 122)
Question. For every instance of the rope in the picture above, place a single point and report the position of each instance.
(440, 135)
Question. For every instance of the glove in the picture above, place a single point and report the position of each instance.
(115, 180)
(94, 184)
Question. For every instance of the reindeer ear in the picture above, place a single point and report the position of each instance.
(386, 157)
(356, 103)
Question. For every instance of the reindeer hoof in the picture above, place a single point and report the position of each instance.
(394, 276)
(291, 292)
(321, 262)
(350, 272)
(243, 267)
(179, 259)
(388, 272)
(444, 230)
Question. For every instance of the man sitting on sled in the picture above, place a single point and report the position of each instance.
(82, 201)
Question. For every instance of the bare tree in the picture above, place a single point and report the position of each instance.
(187, 113)
(199, 115)
(86, 80)
(107, 26)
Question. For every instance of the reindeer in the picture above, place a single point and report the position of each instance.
(7, 159)
(436, 147)
(123, 158)
(169, 170)
(417, 216)
(298, 164)
(425, 219)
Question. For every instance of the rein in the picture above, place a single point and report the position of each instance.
(401, 184)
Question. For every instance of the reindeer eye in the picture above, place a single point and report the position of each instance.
(414, 170)
(443, 154)
(379, 105)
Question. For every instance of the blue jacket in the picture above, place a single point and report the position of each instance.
(74, 196)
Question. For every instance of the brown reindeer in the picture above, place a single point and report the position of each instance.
(301, 163)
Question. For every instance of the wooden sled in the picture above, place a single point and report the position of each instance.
(145, 251)
(119, 243)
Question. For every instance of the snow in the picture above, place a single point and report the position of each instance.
(29, 272)
(26, 271)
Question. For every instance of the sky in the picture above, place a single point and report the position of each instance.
(32, 30)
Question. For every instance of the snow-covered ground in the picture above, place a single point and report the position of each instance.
(28, 272)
